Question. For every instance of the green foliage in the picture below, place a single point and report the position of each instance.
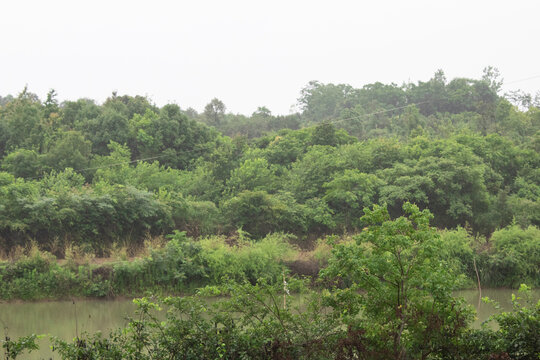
(406, 295)
(446, 178)
(65, 209)
(392, 299)
(21, 124)
(324, 134)
(253, 174)
(519, 329)
(22, 163)
(241, 259)
(524, 204)
(196, 217)
(513, 258)
(323, 101)
(260, 123)
(260, 213)
(181, 141)
(252, 325)
(348, 193)
(39, 276)
(457, 249)
(316, 167)
(180, 266)
(262, 322)
(286, 147)
(14, 348)
(455, 147)
(172, 268)
(516, 336)
(214, 112)
(394, 302)
(110, 124)
(71, 150)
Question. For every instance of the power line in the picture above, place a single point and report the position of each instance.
(115, 164)
(382, 111)
(307, 127)
(524, 79)
(122, 163)
(405, 106)
(193, 150)
(370, 114)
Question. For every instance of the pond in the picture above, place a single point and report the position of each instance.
(65, 319)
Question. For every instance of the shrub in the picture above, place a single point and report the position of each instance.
(515, 256)
(245, 259)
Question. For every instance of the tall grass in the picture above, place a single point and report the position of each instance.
(246, 260)
(180, 265)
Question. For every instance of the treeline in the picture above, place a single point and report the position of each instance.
(95, 175)
(437, 107)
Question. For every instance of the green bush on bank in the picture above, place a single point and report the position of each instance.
(255, 324)
(511, 256)
(246, 260)
(60, 210)
(514, 257)
(516, 336)
(458, 249)
(182, 265)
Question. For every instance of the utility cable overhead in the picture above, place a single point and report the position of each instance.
(370, 114)
(381, 111)
(307, 127)
(419, 103)
(193, 150)
(405, 106)
(115, 164)
(123, 163)
(520, 80)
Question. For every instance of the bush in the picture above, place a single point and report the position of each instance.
(458, 251)
(243, 259)
(520, 328)
(39, 276)
(515, 257)
(395, 283)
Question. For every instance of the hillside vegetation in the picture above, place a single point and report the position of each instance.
(94, 178)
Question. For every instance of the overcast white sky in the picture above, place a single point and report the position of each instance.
(255, 53)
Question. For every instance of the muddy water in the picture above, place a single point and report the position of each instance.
(65, 319)
(485, 310)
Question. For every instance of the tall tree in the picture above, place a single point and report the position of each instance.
(214, 112)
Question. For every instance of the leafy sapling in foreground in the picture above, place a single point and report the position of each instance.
(395, 285)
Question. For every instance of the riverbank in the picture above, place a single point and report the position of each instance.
(182, 265)
(179, 267)
(388, 294)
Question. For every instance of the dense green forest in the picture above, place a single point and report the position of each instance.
(94, 175)
(88, 179)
